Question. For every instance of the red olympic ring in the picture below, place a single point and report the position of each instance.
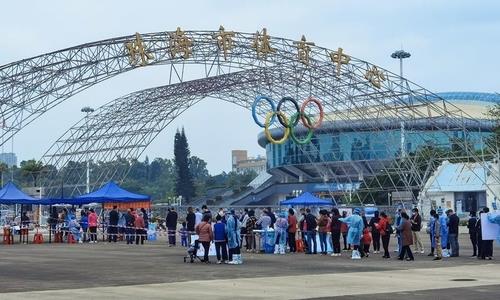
(305, 120)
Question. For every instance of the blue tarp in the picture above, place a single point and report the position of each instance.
(10, 194)
(306, 199)
(111, 192)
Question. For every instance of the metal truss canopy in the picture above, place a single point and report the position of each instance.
(236, 67)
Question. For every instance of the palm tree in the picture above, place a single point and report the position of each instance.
(33, 168)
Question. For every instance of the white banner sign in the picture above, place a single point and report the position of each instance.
(489, 230)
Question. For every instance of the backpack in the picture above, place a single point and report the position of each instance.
(250, 224)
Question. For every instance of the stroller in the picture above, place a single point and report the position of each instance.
(191, 252)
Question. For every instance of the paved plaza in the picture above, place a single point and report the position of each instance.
(155, 271)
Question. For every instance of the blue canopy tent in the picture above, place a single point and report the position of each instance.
(307, 199)
(11, 194)
(110, 192)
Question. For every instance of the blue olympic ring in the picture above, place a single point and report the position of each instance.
(254, 109)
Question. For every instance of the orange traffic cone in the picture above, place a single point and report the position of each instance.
(38, 238)
(299, 245)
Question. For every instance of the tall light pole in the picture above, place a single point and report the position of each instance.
(401, 54)
(87, 110)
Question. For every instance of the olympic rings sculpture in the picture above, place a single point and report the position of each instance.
(277, 113)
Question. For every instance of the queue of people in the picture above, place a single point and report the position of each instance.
(292, 231)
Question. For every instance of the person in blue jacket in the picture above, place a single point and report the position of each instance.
(443, 221)
(356, 226)
(220, 240)
(84, 224)
(233, 226)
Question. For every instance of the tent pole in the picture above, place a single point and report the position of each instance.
(50, 223)
(102, 212)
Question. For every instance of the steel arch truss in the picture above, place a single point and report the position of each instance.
(349, 88)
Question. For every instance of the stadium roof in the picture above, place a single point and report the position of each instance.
(470, 96)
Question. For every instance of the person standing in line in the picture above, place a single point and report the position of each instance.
(198, 216)
(206, 211)
(311, 224)
(453, 222)
(437, 236)
(93, 225)
(250, 225)
(84, 225)
(183, 232)
(356, 226)
(244, 233)
(233, 226)
(430, 231)
(323, 228)
(145, 216)
(171, 223)
(113, 224)
(443, 220)
(190, 223)
(335, 226)
(471, 225)
(385, 229)
(220, 240)
(303, 228)
(139, 229)
(487, 244)
(398, 234)
(416, 226)
(264, 222)
(406, 237)
(205, 235)
(344, 229)
(366, 241)
(292, 230)
(375, 232)
(479, 237)
(129, 227)
(280, 233)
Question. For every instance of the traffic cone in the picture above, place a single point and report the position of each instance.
(38, 238)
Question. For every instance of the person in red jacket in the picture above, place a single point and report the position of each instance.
(92, 219)
(383, 227)
(366, 240)
(292, 229)
(139, 228)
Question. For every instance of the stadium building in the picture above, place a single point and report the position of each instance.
(353, 149)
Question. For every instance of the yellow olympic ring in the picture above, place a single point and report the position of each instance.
(268, 132)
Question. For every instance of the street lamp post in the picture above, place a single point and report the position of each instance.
(87, 110)
(401, 54)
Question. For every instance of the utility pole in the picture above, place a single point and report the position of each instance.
(87, 110)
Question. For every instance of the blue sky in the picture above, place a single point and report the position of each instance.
(454, 47)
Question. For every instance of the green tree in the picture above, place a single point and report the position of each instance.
(184, 185)
(198, 168)
(32, 168)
